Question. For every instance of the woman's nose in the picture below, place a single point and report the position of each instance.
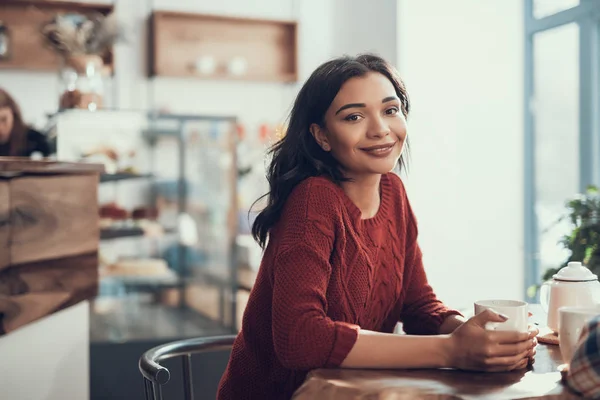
(378, 128)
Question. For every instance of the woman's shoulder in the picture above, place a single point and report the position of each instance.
(402, 207)
(34, 133)
(314, 196)
(318, 184)
(395, 181)
(35, 136)
(37, 142)
(313, 210)
(397, 187)
(317, 192)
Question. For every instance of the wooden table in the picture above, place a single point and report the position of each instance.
(542, 381)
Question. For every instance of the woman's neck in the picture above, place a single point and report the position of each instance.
(364, 193)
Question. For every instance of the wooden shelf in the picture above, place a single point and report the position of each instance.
(291, 77)
(122, 176)
(134, 231)
(24, 19)
(62, 4)
(177, 40)
(116, 233)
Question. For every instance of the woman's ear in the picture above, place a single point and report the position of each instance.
(319, 135)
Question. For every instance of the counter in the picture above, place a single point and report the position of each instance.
(48, 269)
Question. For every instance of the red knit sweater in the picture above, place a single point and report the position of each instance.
(325, 273)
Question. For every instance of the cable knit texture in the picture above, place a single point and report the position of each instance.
(325, 274)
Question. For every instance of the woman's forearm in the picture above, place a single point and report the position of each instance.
(451, 323)
(385, 350)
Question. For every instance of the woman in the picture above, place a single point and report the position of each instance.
(342, 265)
(16, 138)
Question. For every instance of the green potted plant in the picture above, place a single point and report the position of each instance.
(583, 212)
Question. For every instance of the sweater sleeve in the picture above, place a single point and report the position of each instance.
(304, 336)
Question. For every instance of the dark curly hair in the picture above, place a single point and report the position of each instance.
(298, 156)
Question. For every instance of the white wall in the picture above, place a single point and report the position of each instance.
(360, 26)
(48, 359)
(463, 65)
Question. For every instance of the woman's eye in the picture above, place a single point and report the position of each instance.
(352, 117)
(392, 111)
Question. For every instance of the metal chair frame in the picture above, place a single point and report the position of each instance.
(155, 375)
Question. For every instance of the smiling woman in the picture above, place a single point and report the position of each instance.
(342, 265)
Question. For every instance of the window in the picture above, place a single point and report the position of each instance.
(544, 8)
(562, 146)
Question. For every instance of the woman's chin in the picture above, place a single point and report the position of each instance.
(386, 166)
(380, 166)
(382, 170)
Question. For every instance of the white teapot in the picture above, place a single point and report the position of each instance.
(573, 286)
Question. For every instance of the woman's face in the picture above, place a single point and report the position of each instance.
(6, 124)
(364, 127)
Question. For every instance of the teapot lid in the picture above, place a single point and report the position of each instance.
(575, 272)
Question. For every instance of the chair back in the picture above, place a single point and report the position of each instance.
(155, 375)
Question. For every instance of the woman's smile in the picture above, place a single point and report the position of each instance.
(380, 150)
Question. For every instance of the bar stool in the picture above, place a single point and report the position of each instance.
(155, 375)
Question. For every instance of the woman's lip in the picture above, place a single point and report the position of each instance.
(379, 146)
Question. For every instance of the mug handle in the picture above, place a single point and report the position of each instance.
(545, 296)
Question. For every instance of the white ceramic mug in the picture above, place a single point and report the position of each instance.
(516, 311)
(571, 321)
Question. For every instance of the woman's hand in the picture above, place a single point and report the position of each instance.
(472, 347)
(533, 332)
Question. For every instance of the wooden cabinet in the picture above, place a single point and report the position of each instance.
(179, 42)
(48, 238)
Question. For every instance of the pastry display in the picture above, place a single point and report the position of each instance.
(113, 211)
(114, 159)
(144, 213)
(111, 214)
(145, 218)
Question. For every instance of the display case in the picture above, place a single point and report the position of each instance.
(168, 216)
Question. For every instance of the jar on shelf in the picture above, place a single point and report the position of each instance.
(81, 82)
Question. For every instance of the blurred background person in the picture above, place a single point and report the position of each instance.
(18, 139)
